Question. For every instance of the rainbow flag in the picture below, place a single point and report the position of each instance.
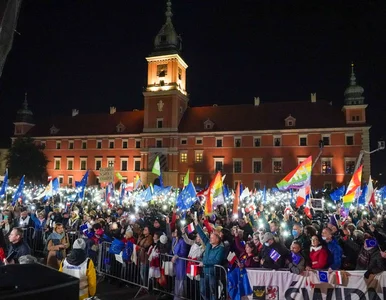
(215, 189)
(355, 181)
(298, 177)
(348, 199)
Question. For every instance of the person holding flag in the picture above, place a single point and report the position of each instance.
(369, 257)
(273, 255)
(213, 255)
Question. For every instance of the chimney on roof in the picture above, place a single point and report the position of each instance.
(257, 101)
(215, 105)
(75, 112)
(313, 97)
(113, 110)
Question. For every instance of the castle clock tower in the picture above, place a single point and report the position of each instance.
(165, 97)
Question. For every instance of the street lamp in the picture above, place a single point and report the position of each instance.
(381, 146)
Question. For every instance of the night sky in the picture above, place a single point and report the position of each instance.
(90, 54)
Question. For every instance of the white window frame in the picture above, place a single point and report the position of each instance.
(58, 143)
(195, 156)
(80, 163)
(253, 163)
(349, 135)
(110, 159)
(278, 137)
(200, 139)
(196, 181)
(61, 179)
(96, 145)
(134, 160)
(127, 143)
(302, 136)
(218, 159)
(135, 144)
(158, 120)
(254, 144)
(73, 145)
(346, 160)
(59, 159)
(222, 142)
(301, 159)
(185, 155)
(68, 160)
(43, 144)
(324, 159)
(96, 160)
(126, 159)
(233, 165)
(156, 142)
(112, 141)
(84, 142)
(72, 180)
(235, 139)
(329, 139)
(184, 139)
(277, 159)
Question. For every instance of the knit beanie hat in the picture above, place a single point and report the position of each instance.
(79, 244)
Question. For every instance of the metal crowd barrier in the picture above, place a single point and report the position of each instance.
(37, 240)
(185, 279)
(133, 273)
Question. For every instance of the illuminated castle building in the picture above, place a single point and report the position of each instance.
(257, 144)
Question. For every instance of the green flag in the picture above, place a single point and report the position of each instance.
(156, 167)
(186, 179)
(119, 176)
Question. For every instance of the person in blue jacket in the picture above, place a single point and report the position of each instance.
(213, 255)
(335, 251)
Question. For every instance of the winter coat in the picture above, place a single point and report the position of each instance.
(212, 255)
(335, 255)
(269, 263)
(370, 260)
(318, 258)
(144, 243)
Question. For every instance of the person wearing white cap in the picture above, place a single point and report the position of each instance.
(273, 254)
(77, 264)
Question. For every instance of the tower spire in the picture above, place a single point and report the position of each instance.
(168, 12)
(167, 40)
(25, 103)
(353, 79)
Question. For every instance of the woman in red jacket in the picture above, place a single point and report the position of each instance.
(318, 255)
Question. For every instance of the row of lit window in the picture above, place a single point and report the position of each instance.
(111, 144)
(98, 163)
(277, 165)
(277, 141)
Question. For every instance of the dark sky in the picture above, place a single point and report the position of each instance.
(90, 54)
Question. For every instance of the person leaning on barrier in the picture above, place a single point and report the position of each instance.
(273, 254)
(213, 255)
(18, 247)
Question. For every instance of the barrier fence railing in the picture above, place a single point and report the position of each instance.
(130, 272)
(37, 240)
(184, 278)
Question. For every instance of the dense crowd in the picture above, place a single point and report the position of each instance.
(260, 238)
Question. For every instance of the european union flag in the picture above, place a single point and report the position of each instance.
(296, 258)
(147, 194)
(338, 193)
(81, 186)
(4, 186)
(55, 185)
(371, 243)
(187, 197)
(323, 276)
(19, 191)
(362, 197)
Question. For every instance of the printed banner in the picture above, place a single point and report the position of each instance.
(275, 285)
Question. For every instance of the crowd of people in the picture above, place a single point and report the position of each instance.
(283, 238)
